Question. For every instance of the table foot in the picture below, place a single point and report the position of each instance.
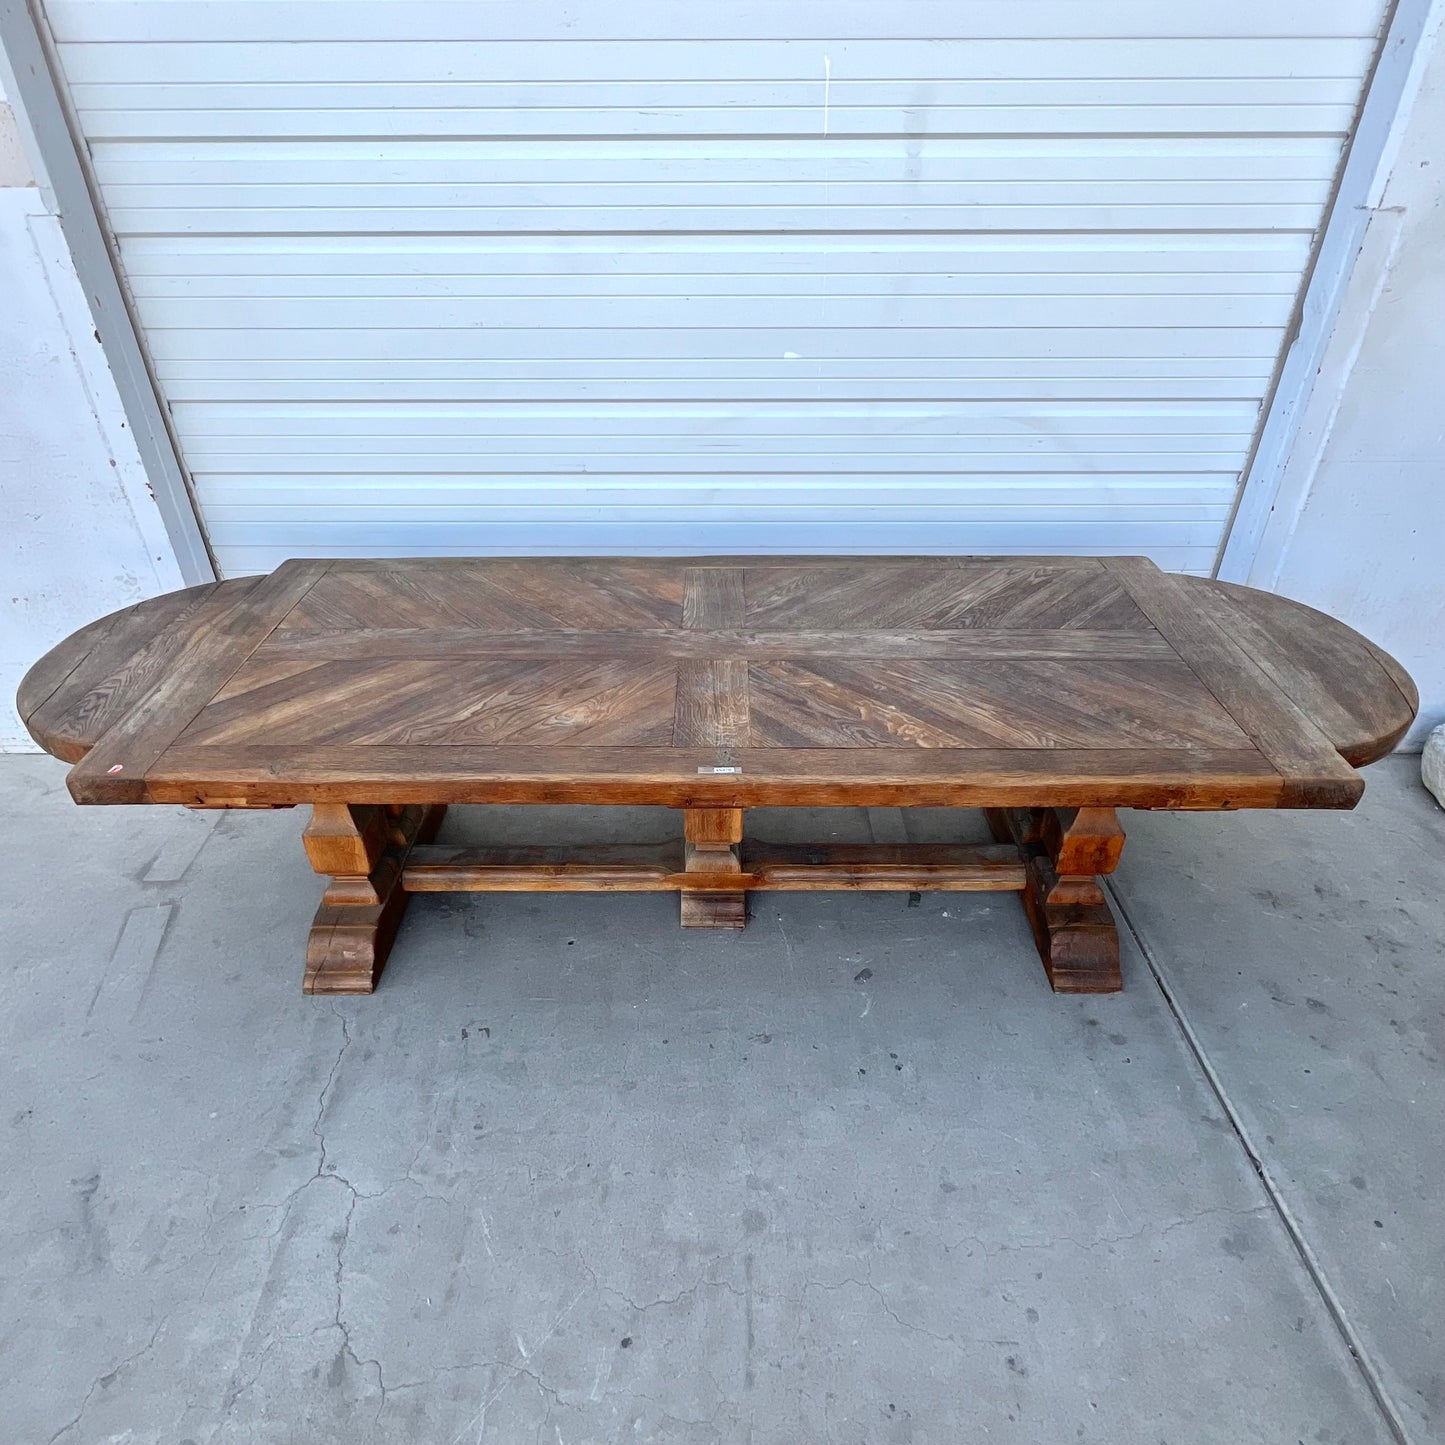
(711, 836)
(363, 848)
(1064, 851)
(714, 910)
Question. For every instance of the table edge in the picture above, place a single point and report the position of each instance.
(45, 680)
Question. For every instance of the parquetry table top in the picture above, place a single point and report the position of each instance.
(735, 682)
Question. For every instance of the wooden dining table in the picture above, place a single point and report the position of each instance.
(1049, 691)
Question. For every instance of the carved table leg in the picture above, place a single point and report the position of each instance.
(711, 836)
(363, 848)
(1065, 849)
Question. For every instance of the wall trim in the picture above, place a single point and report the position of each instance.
(63, 178)
(1277, 481)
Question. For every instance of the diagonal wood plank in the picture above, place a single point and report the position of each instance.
(1002, 596)
(627, 594)
(287, 701)
(114, 769)
(102, 648)
(605, 701)
(1294, 745)
(1317, 666)
(695, 664)
(106, 676)
(906, 703)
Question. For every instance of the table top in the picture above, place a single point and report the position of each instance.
(741, 682)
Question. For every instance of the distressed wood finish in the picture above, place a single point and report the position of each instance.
(1050, 691)
(1023, 682)
(710, 839)
(668, 867)
(74, 693)
(365, 850)
(1063, 855)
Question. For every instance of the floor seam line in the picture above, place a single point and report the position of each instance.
(1334, 1307)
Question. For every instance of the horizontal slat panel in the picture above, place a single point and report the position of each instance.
(969, 372)
(533, 261)
(830, 285)
(796, 451)
(351, 380)
(1115, 535)
(721, 59)
(182, 387)
(696, 313)
(113, 117)
(471, 103)
(394, 493)
(964, 378)
(594, 422)
(457, 519)
(680, 465)
(481, 450)
(541, 20)
(555, 343)
(403, 218)
(655, 164)
(871, 539)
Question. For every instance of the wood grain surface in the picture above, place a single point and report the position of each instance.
(720, 683)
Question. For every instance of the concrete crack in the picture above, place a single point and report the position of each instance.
(1085, 1245)
(104, 1380)
(339, 1321)
(692, 1289)
(513, 1368)
(887, 1308)
(323, 1098)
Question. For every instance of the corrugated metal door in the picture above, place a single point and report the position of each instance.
(803, 275)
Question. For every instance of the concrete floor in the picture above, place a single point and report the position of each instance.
(853, 1175)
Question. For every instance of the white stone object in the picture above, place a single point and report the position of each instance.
(1432, 764)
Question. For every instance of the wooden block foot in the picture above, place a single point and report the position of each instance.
(360, 913)
(1078, 943)
(348, 946)
(714, 910)
(1073, 929)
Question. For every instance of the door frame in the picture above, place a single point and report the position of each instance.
(62, 175)
(1351, 261)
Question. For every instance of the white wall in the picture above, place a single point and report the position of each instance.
(1364, 538)
(80, 534)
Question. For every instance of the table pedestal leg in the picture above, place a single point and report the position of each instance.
(1065, 850)
(711, 837)
(363, 848)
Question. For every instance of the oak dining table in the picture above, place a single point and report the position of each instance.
(1050, 692)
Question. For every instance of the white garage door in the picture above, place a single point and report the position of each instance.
(799, 275)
